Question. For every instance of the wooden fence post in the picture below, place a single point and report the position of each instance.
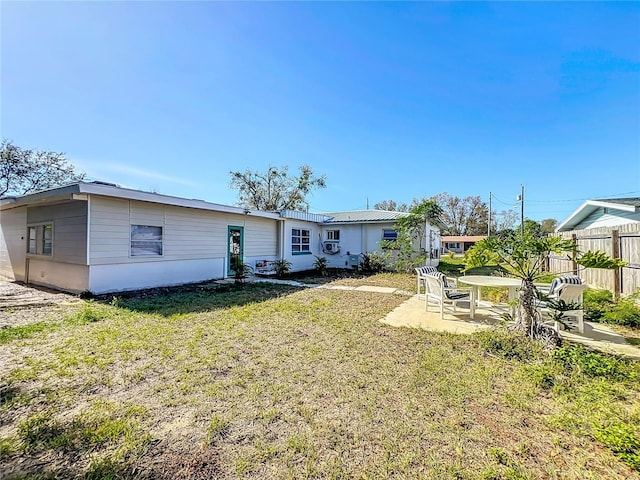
(574, 264)
(615, 253)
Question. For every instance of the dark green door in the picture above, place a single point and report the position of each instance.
(235, 248)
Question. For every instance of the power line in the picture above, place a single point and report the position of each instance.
(604, 197)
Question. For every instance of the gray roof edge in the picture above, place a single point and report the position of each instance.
(115, 191)
(588, 207)
(36, 197)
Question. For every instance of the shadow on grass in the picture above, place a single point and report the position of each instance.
(196, 298)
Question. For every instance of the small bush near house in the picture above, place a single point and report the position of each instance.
(372, 263)
(320, 264)
(282, 267)
(241, 271)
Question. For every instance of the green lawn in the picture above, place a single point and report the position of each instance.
(271, 381)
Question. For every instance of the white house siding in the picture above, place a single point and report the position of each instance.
(305, 261)
(351, 243)
(357, 239)
(612, 218)
(110, 231)
(260, 239)
(194, 244)
(13, 243)
(188, 233)
(64, 276)
(135, 276)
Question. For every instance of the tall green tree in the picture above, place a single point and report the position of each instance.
(524, 257)
(25, 171)
(275, 189)
(548, 225)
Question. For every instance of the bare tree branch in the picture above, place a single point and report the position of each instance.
(25, 171)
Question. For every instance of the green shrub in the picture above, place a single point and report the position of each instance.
(596, 304)
(508, 344)
(241, 270)
(372, 263)
(572, 357)
(282, 267)
(600, 307)
(621, 440)
(624, 312)
(88, 314)
(320, 264)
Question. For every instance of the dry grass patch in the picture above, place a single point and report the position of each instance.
(267, 381)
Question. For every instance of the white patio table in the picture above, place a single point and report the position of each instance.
(478, 281)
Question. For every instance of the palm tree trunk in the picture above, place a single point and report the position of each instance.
(525, 317)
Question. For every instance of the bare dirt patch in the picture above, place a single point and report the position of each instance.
(22, 304)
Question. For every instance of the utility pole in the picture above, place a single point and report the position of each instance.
(521, 198)
(489, 222)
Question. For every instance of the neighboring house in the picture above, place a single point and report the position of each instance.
(459, 243)
(613, 227)
(98, 237)
(603, 213)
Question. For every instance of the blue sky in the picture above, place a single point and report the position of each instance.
(389, 100)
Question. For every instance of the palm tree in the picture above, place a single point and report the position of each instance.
(523, 256)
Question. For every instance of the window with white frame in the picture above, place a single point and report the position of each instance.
(146, 241)
(32, 236)
(333, 235)
(47, 239)
(300, 241)
(40, 239)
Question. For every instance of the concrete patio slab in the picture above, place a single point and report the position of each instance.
(411, 313)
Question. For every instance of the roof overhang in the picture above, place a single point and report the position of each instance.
(81, 191)
(587, 208)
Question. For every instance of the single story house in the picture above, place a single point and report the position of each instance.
(99, 237)
(602, 213)
(459, 243)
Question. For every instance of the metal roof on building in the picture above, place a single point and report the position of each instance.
(359, 216)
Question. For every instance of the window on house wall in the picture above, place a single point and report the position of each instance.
(389, 235)
(33, 240)
(300, 241)
(47, 239)
(40, 239)
(333, 234)
(146, 241)
(453, 245)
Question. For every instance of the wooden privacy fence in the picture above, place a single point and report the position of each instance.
(622, 242)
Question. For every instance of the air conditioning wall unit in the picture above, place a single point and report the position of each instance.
(331, 247)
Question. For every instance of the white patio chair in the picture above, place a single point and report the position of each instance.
(439, 293)
(421, 272)
(568, 289)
